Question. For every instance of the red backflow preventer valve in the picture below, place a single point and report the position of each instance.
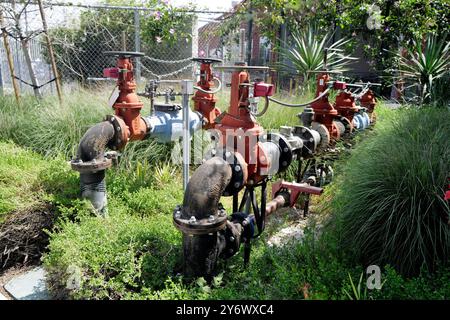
(204, 98)
(127, 104)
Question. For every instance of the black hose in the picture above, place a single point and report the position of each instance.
(297, 105)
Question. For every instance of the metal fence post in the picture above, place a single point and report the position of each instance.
(250, 34)
(194, 42)
(241, 45)
(51, 54)
(187, 89)
(137, 43)
(1, 77)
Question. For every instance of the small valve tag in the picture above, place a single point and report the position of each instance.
(339, 85)
(113, 97)
(262, 89)
(112, 73)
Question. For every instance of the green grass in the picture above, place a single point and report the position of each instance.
(48, 128)
(55, 130)
(389, 206)
(20, 186)
(117, 256)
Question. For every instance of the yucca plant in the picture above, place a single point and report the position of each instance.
(305, 53)
(357, 292)
(424, 63)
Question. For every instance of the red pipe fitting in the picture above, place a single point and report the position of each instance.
(345, 105)
(262, 89)
(128, 106)
(112, 73)
(324, 112)
(205, 103)
(369, 101)
(295, 190)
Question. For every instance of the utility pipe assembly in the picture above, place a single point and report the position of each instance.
(244, 156)
(164, 124)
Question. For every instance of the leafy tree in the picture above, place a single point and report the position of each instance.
(381, 25)
(80, 50)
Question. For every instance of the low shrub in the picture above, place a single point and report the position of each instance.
(98, 258)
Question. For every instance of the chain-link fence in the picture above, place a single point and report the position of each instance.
(82, 33)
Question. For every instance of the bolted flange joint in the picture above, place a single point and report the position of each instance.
(91, 166)
(121, 133)
(192, 226)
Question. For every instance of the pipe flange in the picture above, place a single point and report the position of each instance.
(239, 173)
(120, 138)
(238, 168)
(90, 166)
(192, 226)
(286, 154)
(347, 124)
(310, 138)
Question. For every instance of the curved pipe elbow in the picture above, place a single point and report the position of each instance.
(206, 186)
(201, 201)
(92, 147)
(93, 143)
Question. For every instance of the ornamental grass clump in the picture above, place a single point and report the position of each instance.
(390, 207)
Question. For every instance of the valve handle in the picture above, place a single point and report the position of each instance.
(123, 54)
(207, 60)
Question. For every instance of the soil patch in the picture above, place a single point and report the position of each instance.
(23, 238)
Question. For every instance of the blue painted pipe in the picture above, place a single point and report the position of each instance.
(168, 126)
(361, 121)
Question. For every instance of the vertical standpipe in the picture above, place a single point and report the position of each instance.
(187, 89)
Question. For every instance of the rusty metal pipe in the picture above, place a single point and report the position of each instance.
(93, 143)
(205, 188)
(280, 201)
